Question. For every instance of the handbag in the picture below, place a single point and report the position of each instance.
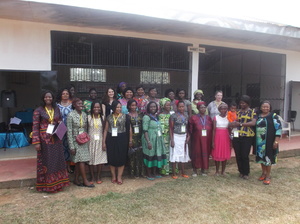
(82, 138)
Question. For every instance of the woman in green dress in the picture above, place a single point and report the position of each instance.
(154, 149)
(135, 153)
(77, 123)
(163, 117)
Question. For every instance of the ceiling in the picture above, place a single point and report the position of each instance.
(219, 29)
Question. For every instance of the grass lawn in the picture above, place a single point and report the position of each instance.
(196, 200)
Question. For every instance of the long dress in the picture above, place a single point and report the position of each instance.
(98, 156)
(76, 124)
(64, 111)
(155, 157)
(164, 122)
(222, 150)
(52, 174)
(180, 152)
(201, 144)
(117, 146)
(267, 128)
(136, 165)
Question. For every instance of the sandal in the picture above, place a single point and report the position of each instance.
(262, 177)
(114, 181)
(267, 181)
(175, 177)
(184, 175)
(120, 182)
(150, 178)
(99, 182)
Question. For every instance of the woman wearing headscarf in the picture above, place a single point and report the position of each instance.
(120, 88)
(163, 117)
(198, 94)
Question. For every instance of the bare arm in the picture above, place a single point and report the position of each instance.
(104, 136)
(171, 132)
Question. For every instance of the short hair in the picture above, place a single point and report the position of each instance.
(180, 101)
(151, 88)
(131, 101)
(179, 90)
(58, 97)
(53, 104)
(92, 89)
(114, 105)
(233, 104)
(148, 106)
(93, 105)
(222, 104)
(246, 99)
(127, 89)
(139, 86)
(261, 103)
(168, 91)
(74, 101)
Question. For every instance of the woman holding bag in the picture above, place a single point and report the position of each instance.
(78, 142)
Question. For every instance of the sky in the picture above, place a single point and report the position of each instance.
(275, 11)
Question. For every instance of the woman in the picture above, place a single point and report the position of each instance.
(128, 95)
(153, 143)
(243, 137)
(200, 129)
(77, 124)
(95, 127)
(180, 93)
(65, 106)
(169, 93)
(198, 94)
(72, 91)
(116, 139)
(268, 132)
(214, 105)
(163, 117)
(221, 140)
(152, 94)
(108, 98)
(87, 103)
(141, 99)
(136, 166)
(120, 88)
(52, 174)
(179, 138)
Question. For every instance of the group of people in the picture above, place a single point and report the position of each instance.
(153, 136)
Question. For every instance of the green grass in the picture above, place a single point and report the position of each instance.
(196, 200)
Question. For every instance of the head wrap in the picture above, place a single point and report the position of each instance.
(163, 101)
(121, 83)
(198, 91)
(201, 103)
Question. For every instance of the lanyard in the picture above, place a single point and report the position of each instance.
(203, 121)
(155, 118)
(182, 118)
(96, 122)
(115, 120)
(81, 121)
(50, 114)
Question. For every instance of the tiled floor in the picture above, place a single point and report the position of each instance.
(20, 163)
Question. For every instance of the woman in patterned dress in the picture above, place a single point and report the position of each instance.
(141, 99)
(163, 117)
(87, 103)
(98, 155)
(268, 132)
(77, 123)
(154, 149)
(65, 106)
(116, 139)
(52, 174)
(136, 165)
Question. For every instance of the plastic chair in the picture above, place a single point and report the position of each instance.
(286, 126)
(293, 115)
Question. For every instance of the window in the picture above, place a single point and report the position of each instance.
(87, 75)
(151, 77)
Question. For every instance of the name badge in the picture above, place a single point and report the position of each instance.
(136, 129)
(50, 129)
(96, 137)
(114, 132)
(183, 128)
(158, 133)
(204, 133)
(172, 112)
(81, 131)
(236, 134)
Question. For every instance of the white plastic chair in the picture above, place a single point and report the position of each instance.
(286, 126)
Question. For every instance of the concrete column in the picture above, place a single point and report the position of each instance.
(194, 72)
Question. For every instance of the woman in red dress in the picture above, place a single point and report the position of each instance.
(200, 128)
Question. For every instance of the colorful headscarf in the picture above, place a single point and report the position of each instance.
(201, 103)
(121, 83)
(163, 101)
(198, 91)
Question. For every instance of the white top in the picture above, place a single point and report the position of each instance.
(221, 122)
